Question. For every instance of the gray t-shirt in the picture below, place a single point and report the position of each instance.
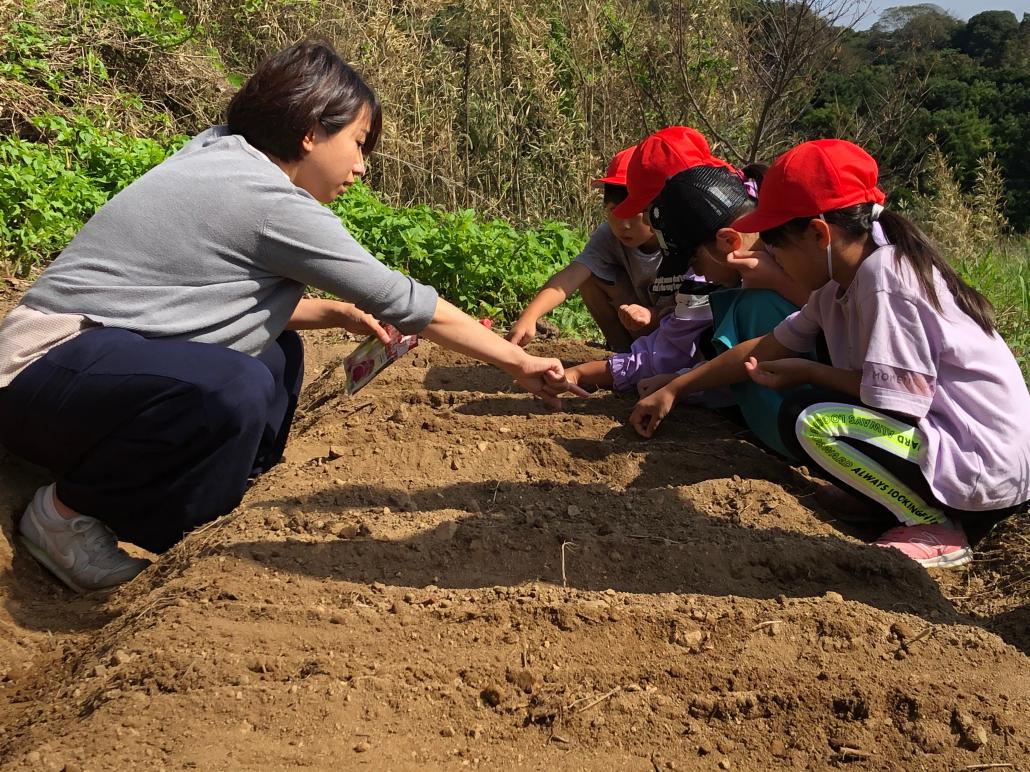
(216, 245)
(609, 259)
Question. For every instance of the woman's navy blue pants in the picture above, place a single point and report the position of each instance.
(153, 437)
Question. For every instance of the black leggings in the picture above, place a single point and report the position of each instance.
(872, 453)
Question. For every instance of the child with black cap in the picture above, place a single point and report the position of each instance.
(703, 257)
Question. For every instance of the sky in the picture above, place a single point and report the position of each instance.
(961, 9)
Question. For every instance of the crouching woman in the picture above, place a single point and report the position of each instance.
(154, 367)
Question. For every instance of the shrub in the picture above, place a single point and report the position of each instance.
(48, 190)
(486, 267)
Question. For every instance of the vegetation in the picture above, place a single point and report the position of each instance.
(486, 267)
(507, 108)
(919, 72)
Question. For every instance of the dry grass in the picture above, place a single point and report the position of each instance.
(1005, 559)
(506, 107)
(963, 224)
(92, 64)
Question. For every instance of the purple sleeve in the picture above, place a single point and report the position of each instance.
(800, 330)
(900, 366)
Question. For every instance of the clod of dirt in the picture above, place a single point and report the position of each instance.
(362, 747)
(344, 530)
(525, 680)
(971, 734)
(492, 696)
(545, 329)
(903, 631)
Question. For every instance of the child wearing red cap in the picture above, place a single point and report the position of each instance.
(613, 273)
(922, 408)
(691, 216)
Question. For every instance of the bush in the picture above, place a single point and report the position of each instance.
(486, 267)
(48, 190)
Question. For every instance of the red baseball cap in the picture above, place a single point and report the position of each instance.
(616, 172)
(659, 157)
(812, 178)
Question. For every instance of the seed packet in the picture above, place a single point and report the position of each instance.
(372, 355)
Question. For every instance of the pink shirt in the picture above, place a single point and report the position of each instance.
(962, 385)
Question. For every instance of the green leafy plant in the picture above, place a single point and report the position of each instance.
(486, 267)
(49, 189)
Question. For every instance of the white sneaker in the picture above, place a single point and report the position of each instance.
(81, 552)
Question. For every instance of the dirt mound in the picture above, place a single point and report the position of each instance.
(443, 574)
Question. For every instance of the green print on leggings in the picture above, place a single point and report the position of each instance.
(820, 429)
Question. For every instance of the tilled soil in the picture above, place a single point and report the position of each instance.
(445, 574)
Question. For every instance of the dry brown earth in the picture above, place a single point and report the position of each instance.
(445, 575)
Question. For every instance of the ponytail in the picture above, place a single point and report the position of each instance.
(911, 244)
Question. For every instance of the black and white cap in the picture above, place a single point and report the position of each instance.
(692, 206)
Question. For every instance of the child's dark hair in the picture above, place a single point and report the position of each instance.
(911, 244)
(615, 194)
(756, 172)
(300, 87)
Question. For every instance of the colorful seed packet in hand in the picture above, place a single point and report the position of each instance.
(372, 355)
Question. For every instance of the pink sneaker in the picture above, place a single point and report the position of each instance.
(932, 546)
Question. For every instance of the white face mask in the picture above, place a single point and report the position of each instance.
(829, 253)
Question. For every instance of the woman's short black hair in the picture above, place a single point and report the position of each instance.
(302, 86)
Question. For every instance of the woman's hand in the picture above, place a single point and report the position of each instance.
(321, 314)
(780, 374)
(522, 332)
(649, 411)
(354, 320)
(634, 317)
(546, 378)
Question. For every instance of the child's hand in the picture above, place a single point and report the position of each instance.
(634, 317)
(570, 384)
(757, 269)
(649, 412)
(522, 332)
(779, 373)
(646, 386)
